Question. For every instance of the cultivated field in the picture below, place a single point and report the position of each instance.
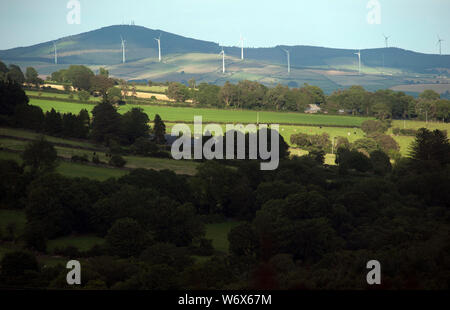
(181, 114)
(418, 88)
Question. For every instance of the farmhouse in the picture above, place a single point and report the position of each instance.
(313, 109)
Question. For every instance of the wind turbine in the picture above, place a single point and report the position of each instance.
(56, 53)
(288, 53)
(359, 60)
(159, 46)
(242, 48)
(386, 38)
(222, 53)
(439, 42)
(123, 49)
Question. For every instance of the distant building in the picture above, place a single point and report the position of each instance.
(313, 109)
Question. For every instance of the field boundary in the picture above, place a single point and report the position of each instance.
(72, 146)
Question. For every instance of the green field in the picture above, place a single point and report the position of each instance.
(82, 243)
(101, 173)
(218, 233)
(19, 133)
(187, 114)
(420, 124)
(58, 96)
(74, 170)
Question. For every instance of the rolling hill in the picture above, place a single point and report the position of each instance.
(185, 58)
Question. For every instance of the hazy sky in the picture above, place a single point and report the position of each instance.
(413, 24)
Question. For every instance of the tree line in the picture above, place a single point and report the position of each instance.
(382, 104)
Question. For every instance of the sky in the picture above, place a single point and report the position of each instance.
(354, 24)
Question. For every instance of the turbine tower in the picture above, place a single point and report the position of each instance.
(242, 48)
(222, 53)
(359, 61)
(386, 38)
(439, 42)
(288, 54)
(123, 49)
(56, 53)
(159, 47)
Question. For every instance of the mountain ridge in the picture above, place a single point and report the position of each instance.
(381, 67)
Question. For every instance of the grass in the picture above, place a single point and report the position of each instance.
(58, 96)
(420, 124)
(218, 233)
(19, 133)
(186, 114)
(62, 107)
(16, 217)
(82, 243)
(75, 170)
(101, 173)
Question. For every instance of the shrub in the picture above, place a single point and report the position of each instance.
(387, 143)
(342, 142)
(408, 132)
(117, 161)
(371, 127)
(353, 159)
(126, 238)
(144, 147)
(380, 162)
(367, 145)
(96, 159)
(312, 142)
(80, 159)
(84, 95)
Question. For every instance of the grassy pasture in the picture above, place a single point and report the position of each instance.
(101, 173)
(420, 124)
(19, 133)
(75, 170)
(214, 115)
(82, 243)
(218, 233)
(58, 96)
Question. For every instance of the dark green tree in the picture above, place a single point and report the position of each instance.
(40, 155)
(134, 125)
(159, 130)
(126, 238)
(106, 122)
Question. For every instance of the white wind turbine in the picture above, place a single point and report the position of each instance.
(439, 42)
(386, 38)
(123, 49)
(359, 61)
(159, 47)
(222, 53)
(288, 54)
(56, 53)
(242, 48)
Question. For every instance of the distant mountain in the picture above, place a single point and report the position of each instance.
(200, 60)
(103, 46)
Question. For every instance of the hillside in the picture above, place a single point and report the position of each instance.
(185, 58)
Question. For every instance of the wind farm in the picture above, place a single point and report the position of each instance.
(141, 58)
